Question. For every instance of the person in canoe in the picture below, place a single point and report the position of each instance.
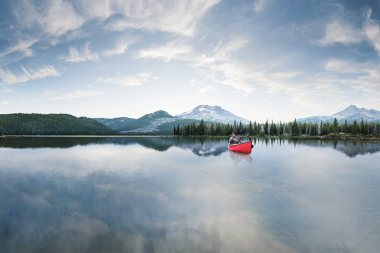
(234, 139)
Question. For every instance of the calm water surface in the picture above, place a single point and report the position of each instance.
(187, 195)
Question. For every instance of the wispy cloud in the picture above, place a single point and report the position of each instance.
(338, 82)
(345, 32)
(81, 55)
(56, 18)
(372, 31)
(136, 80)
(206, 89)
(120, 47)
(340, 32)
(166, 52)
(27, 74)
(221, 67)
(175, 17)
(364, 77)
(78, 94)
(59, 16)
(261, 5)
(23, 46)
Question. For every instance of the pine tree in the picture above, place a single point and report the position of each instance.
(202, 128)
(266, 128)
(250, 128)
(295, 128)
(335, 126)
(354, 128)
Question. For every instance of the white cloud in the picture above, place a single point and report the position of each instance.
(372, 31)
(166, 52)
(23, 46)
(338, 82)
(54, 18)
(206, 89)
(59, 16)
(120, 48)
(335, 65)
(82, 55)
(180, 17)
(221, 67)
(78, 94)
(27, 74)
(136, 80)
(340, 32)
(261, 5)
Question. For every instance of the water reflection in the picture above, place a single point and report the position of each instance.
(237, 158)
(349, 148)
(126, 195)
(199, 146)
(128, 199)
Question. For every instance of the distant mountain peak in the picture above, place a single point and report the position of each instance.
(212, 113)
(352, 107)
(157, 114)
(350, 113)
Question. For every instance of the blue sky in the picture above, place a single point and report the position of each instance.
(261, 59)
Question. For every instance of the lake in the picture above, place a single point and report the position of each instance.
(163, 194)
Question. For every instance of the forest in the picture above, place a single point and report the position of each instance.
(49, 124)
(293, 128)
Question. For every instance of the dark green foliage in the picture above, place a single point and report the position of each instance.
(49, 124)
(295, 128)
(280, 129)
(266, 128)
(335, 126)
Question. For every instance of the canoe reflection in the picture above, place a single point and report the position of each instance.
(237, 158)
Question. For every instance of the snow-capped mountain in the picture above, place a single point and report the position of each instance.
(350, 114)
(353, 112)
(213, 114)
(163, 122)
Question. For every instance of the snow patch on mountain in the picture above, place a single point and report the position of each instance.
(350, 114)
(212, 113)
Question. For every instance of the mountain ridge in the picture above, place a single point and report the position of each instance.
(349, 114)
(162, 122)
(212, 113)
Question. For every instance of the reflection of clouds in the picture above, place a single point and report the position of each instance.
(77, 160)
(104, 198)
(319, 199)
(118, 198)
(230, 225)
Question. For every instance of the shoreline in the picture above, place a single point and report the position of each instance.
(330, 137)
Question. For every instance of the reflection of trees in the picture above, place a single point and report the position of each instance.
(349, 148)
(199, 146)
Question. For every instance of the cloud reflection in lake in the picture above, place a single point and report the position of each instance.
(124, 196)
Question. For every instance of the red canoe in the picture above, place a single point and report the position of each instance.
(245, 147)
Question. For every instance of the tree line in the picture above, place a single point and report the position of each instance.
(49, 124)
(293, 128)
